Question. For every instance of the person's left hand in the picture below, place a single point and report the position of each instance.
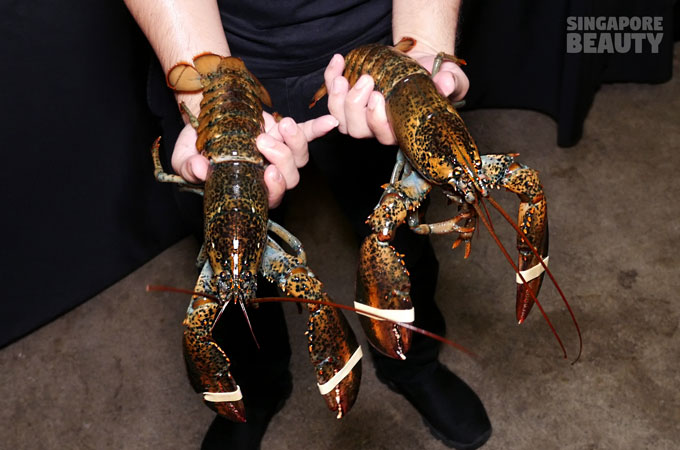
(361, 110)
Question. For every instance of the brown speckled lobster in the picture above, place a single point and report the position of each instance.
(436, 149)
(238, 242)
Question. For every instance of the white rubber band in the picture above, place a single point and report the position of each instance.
(219, 397)
(329, 385)
(533, 272)
(396, 315)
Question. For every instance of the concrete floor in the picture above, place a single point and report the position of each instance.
(110, 374)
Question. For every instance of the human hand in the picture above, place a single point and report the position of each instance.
(283, 144)
(361, 110)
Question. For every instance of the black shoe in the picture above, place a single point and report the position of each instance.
(224, 434)
(449, 407)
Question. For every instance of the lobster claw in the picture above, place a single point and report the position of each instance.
(207, 364)
(333, 348)
(534, 223)
(383, 290)
(335, 354)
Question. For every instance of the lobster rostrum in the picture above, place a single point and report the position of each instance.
(436, 149)
(239, 243)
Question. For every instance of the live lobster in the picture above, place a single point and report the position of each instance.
(436, 149)
(238, 242)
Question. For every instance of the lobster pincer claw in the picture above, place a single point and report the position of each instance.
(383, 283)
(207, 364)
(532, 221)
(383, 287)
(531, 270)
(333, 348)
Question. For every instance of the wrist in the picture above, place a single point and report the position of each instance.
(431, 48)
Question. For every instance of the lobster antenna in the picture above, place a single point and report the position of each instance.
(547, 270)
(245, 314)
(158, 288)
(150, 288)
(488, 217)
(514, 266)
(371, 315)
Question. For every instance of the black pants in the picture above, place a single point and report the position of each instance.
(355, 170)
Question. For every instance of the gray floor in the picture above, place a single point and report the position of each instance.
(110, 374)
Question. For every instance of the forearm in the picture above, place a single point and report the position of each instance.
(431, 22)
(178, 30)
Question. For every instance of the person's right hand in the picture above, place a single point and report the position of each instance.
(284, 144)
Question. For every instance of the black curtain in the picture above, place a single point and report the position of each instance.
(517, 58)
(80, 206)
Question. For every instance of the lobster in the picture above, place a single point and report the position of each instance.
(239, 242)
(436, 149)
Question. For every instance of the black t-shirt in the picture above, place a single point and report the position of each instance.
(281, 38)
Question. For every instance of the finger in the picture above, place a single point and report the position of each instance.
(318, 127)
(376, 118)
(186, 161)
(452, 81)
(276, 186)
(195, 169)
(462, 85)
(337, 88)
(279, 155)
(304, 133)
(355, 107)
(336, 101)
(295, 139)
(270, 124)
(334, 69)
(445, 82)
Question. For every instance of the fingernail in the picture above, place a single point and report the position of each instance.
(289, 126)
(265, 141)
(363, 81)
(372, 102)
(333, 121)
